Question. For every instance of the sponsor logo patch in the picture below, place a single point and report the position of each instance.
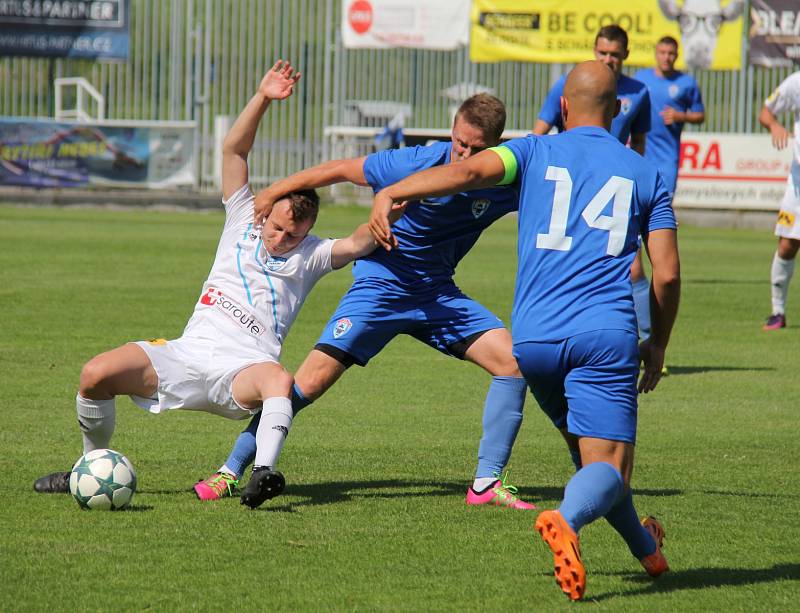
(157, 341)
(785, 218)
(625, 105)
(342, 327)
(275, 263)
(221, 303)
(673, 91)
(479, 207)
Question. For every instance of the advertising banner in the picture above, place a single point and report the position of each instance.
(41, 153)
(563, 31)
(65, 28)
(731, 171)
(774, 32)
(421, 24)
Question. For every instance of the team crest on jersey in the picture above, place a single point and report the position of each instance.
(673, 91)
(479, 207)
(275, 263)
(342, 327)
(624, 105)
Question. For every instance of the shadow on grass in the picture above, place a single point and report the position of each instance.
(692, 370)
(698, 578)
(136, 508)
(344, 491)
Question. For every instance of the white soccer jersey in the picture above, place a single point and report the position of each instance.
(786, 98)
(250, 294)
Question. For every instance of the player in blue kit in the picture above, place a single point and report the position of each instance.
(411, 291)
(675, 100)
(584, 201)
(611, 48)
(633, 120)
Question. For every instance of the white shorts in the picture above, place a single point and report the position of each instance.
(788, 225)
(196, 374)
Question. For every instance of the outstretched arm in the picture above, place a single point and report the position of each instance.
(665, 292)
(361, 242)
(277, 84)
(541, 128)
(486, 169)
(336, 171)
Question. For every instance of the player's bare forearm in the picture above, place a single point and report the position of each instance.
(486, 169)
(357, 245)
(694, 117)
(541, 128)
(665, 290)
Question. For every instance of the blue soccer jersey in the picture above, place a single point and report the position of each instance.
(680, 91)
(633, 117)
(431, 241)
(584, 201)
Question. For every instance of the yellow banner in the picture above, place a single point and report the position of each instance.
(563, 31)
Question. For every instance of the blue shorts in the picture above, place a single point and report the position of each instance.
(586, 382)
(375, 310)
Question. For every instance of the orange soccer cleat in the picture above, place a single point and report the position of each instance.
(563, 542)
(655, 564)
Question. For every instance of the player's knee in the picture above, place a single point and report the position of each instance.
(94, 375)
(277, 381)
(787, 248)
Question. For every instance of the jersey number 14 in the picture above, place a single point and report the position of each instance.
(616, 224)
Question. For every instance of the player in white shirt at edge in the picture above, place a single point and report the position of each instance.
(227, 360)
(786, 98)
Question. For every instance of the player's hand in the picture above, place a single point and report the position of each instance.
(379, 223)
(262, 206)
(671, 115)
(652, 357)
(780, 137)
(398, 210)
(279, 82)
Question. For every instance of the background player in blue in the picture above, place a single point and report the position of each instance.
(674, 101)
(633, 120)
(411, 291)
(584, 201)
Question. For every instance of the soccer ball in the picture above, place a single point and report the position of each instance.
(103, 479)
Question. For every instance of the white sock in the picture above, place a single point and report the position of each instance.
(481, 483)
(782, 271)
(96, 419)
(276, 420)
(224, 469)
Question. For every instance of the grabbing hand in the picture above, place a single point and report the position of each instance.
(379, 220)
(279, 82)
(652, 358)
(262, 206)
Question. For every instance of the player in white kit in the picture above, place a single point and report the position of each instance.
(786, 98)
(227, 361)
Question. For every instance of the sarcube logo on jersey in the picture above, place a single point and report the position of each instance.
(222, 303)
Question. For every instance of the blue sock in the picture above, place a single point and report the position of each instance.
(590, 494)
(623, 519)
(244, 449)
(502, 417)
(641, 302)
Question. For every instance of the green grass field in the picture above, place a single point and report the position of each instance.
(373, 517)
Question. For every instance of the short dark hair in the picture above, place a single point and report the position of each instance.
(613, 32)
(304, 204)
(486, 113)
(667, 40)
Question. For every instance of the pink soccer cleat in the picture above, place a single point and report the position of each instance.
(500, 494)
(218, 485)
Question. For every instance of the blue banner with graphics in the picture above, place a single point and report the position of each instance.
(41, 153)
(65, 28)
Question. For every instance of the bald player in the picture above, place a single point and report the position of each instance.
(584, 201)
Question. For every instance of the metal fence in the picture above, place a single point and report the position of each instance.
(199, 59)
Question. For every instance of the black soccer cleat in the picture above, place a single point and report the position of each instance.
(54, 483)
(265, 483)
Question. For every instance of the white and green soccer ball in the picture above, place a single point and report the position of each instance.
(103, 479)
